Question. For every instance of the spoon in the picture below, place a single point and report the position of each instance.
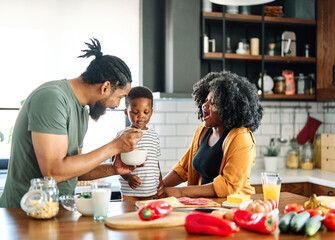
(281, 139)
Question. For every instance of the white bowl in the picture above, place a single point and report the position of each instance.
(135, 157)
(84, 206)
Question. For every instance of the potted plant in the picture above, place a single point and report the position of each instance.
(270, 156)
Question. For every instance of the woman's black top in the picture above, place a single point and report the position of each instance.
(208, 159)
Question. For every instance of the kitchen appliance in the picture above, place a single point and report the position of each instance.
(288, 44)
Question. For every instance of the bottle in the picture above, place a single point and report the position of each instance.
(306, 50)
(206, 43)
(271, 51)
(228, 46)
(301, 84)
(307, 156)
(317, 147)
(41, 201)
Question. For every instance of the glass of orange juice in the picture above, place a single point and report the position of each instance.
(271, 183)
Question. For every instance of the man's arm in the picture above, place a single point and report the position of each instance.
(51, 150)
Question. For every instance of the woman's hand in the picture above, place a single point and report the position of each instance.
(169, 192)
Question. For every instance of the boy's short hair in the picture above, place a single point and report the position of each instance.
(139, 92)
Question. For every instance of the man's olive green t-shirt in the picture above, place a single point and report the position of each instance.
(52, 108)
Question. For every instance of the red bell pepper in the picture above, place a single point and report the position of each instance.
(258, 222)
(293, 207)
(154, 210)
(314, 212)
(329, 221)
(204, 223)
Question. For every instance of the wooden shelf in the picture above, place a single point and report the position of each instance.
(289, 97)
(235, 56)
(289, 59)
(289, 20)
(257, 18)
(267, 58)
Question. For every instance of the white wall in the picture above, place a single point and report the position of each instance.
(176, 120)
(41, 39)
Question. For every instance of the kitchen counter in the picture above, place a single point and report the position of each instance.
(316, 176)
(15, 224)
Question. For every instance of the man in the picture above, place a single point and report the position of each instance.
(50, 128)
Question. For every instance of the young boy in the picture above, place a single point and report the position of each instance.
(142, 183)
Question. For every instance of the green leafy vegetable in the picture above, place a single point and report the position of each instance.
(85, 195)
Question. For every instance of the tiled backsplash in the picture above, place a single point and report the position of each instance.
(176, 120)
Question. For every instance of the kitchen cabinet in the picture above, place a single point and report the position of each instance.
(220, 26)
(326, 50)
(305, 189)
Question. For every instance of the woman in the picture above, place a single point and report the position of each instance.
(222, 152)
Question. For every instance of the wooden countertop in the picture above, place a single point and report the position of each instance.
(15, 224)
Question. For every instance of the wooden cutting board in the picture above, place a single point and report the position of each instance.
(132, 221)
(176, 204)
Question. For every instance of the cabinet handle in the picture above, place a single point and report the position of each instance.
(333, 74)
(330, 193)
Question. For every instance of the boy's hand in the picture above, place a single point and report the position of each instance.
(134, 181)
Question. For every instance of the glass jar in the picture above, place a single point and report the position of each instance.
(317, 147)
(307, 156)
(280, 85)
(292, 159)
(41, 201)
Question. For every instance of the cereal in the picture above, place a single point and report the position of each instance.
(49, 210)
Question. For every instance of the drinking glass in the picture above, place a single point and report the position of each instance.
(271, 183)
(101, 195)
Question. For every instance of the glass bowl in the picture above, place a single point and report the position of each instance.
(68, 202)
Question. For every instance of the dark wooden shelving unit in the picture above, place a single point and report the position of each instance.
(233, 23)
(310, 97)
(235, 56)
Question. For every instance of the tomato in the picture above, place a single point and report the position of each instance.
(329, 221)
(314, 212)
(294, 207)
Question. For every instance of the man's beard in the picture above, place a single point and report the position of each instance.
(98, 110)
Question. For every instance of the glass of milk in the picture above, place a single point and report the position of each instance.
(101, 195)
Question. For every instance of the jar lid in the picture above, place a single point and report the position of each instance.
(33, 201)
(279, 78)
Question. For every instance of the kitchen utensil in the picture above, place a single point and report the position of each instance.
(68, 202)
(267, 81)
(176, 204)
(281, 139)
(135, 157)
(207, 210)
(288, 44)
(132, 221)
(84, 206)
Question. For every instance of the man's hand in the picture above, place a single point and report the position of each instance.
(134, 181)
(129, 139)
(120, 168)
